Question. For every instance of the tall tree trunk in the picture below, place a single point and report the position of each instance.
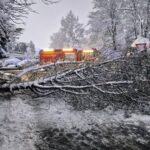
(148, 20)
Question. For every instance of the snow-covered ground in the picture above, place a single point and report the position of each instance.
(14, 62)
(17, 124)
(23, 118)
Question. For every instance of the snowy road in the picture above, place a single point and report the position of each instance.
(23, 118)
(17, 124)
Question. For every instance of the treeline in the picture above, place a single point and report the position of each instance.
(12, 14)
(113, 24)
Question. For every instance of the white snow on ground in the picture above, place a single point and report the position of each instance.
(21, 117)
(26, 61)
(16, 125)
(63, 116)
(15, 62)
(11, 61)
(137, 119)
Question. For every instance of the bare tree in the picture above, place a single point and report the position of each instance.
(105, 21)
(13, 12)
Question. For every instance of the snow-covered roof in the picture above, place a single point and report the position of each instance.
(141, 40)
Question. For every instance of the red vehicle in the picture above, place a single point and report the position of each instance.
(87, 54)
(71, 54)
(50, 55)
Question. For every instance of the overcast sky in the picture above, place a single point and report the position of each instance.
(40, 26)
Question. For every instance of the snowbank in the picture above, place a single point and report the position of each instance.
(11, 61)
(15, 62)
(26, 62)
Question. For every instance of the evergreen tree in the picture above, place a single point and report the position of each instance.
(21, 47)
(32, 47)
(12, 13)
(57, 40)
(71, 33)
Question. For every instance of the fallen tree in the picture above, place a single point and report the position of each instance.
(124, 81)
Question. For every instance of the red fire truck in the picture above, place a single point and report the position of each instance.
(66, 54)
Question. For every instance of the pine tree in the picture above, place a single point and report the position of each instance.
(71, 33)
